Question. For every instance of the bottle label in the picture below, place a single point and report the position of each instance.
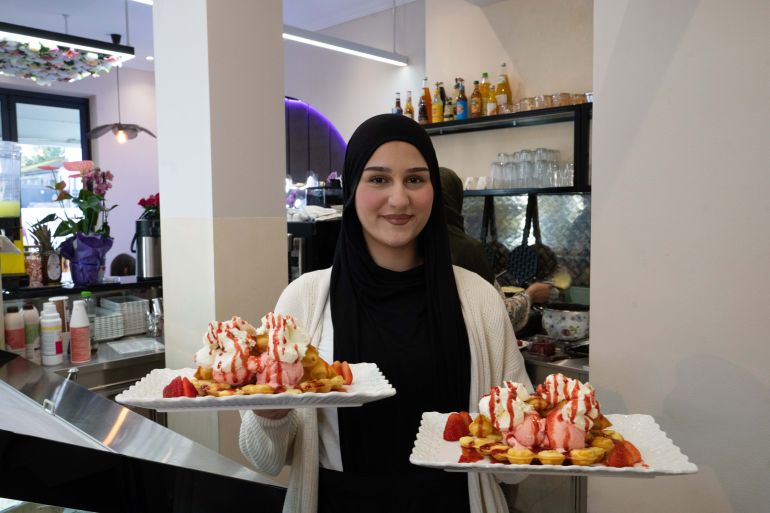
(80, 344)
(50, 341)
(14, 339)
(475, 107)
(501, 99)
(462, 110)
(32, 334)
(491, 109)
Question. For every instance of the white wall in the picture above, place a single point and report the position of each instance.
(680, 245)
(547, 47)
(348, 89)
(134, 164)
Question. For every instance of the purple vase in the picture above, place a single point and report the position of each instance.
(86, 255)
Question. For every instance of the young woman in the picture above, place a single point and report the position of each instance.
(439, 334)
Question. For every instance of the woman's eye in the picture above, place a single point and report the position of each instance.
(377, 179)
(415, 179)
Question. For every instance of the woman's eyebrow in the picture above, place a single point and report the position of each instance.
(378, 169)
(418, 170)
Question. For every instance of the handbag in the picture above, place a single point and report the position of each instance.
(522, 261)
(495, 251)
(547, 263)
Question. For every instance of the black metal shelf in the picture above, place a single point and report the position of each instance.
(125, 283)
(539, 191)
(517, 119)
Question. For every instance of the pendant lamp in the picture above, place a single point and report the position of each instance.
(122, 131)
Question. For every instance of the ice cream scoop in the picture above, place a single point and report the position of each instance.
(274, 372)
(561, 434)
(505, 406)
(287, 342)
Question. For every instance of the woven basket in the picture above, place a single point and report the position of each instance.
(134, 310)
(108, 325)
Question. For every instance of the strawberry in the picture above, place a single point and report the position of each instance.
(455, 427)
(188, 389)
(466, 418)
(174, 388)
(624, 454)
(337, 366)
(346, 373)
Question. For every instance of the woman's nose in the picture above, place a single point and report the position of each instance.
(399, 197)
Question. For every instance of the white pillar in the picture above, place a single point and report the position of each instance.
(221, 150)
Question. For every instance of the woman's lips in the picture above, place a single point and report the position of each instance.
(397, 219)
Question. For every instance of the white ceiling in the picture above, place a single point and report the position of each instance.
(97, 19)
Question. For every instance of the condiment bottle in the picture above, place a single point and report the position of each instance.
(80, 333)
(397, 108)
(490, 103)
(32, 333)
(503, 96)
(437, 106)
(461, 104)
(476, 101)
(409, 108)
(88, 300)
(50, 336)
(426, 98)
(14, 331)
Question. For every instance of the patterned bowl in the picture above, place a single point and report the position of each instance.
(566, 324)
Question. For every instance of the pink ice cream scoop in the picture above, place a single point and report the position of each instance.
(560, 434)
(528, 433)
(275, 372)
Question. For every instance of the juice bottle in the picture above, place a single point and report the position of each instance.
(422, 112)
(51, 347)
(409, 109)
(437, 106)
(461, 103)
(449, 111)
(426, 99)
(397, 108)
(503, 88)
(484, 86)
(476, 101)
(490, 103)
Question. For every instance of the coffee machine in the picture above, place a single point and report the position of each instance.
(147, 240)
(12, 265)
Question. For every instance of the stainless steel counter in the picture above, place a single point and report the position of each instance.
(69, 410)
(111, 369)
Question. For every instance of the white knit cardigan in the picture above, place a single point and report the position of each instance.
(293, 440)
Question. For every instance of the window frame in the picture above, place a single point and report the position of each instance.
(10, 97)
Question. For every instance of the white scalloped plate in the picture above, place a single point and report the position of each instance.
(368, 385)
(659, 453)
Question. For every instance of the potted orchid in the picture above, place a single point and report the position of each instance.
(89, 236)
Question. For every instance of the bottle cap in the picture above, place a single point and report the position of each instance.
(12, 309)
(28, 307)
(85, 293)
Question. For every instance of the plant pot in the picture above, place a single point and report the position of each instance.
(86, 255)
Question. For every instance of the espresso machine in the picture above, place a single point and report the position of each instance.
(147, 240)
(12, 265)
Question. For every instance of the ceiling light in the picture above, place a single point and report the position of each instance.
(145, 2)
(46, 57)
(340, 45)
(150, 58)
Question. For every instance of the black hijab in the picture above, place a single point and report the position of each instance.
(409, 323)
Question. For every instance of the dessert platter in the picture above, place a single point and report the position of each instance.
(559, 429)
(274, 366)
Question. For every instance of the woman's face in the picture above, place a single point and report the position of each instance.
(393, 202)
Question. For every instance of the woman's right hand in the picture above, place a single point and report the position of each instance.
(272, 414)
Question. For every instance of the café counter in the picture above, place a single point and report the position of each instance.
(63, 445)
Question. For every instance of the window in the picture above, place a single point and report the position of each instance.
(50, 129)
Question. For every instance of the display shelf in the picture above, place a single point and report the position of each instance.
(517, 119)
(514, 192)
(125, 283)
